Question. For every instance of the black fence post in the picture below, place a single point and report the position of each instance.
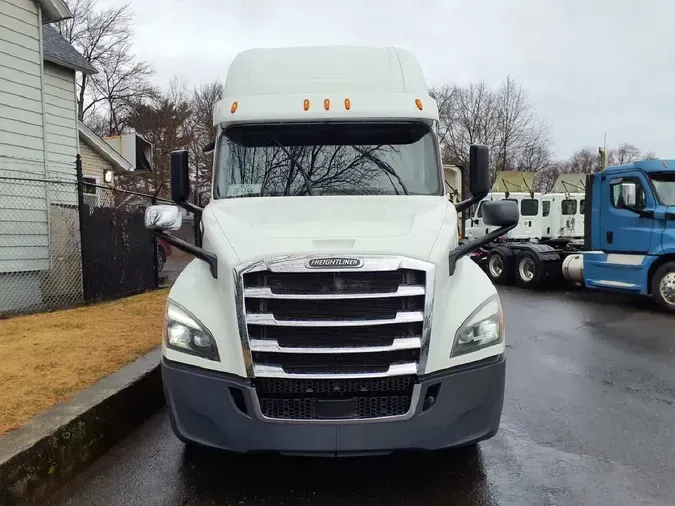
(155, 249)
(82, 217)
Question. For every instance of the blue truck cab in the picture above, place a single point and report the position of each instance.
(630, 231)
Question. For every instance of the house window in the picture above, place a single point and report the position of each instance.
(89, 185)
(546, 207)
(569, 207)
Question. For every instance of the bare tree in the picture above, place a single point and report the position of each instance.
(626, 153)
(202, 131)
(104, 37)
(164, 122)
(503, 119)
(544, 179)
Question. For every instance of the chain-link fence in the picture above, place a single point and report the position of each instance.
(39, 244)
(64, 243)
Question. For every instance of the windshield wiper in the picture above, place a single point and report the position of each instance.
(385, 167)
(293, 159)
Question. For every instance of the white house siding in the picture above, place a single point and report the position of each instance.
(21, 126)
(93, 164)
(63, 282)
(24, 229)
(61, 127)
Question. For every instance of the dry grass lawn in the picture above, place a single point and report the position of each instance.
(46, 358)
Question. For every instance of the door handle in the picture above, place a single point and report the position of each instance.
(610, 237)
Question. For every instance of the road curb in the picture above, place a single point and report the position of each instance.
(50, 449)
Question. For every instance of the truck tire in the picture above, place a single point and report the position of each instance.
(663, 287)
(499, 266)
(529, 270)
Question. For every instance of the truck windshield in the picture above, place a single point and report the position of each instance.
(327, 159)
(664, 184)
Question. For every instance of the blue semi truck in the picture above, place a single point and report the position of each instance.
(629, 238)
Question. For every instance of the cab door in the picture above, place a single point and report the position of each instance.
(478, 228)
(624, 230)
(579, 221)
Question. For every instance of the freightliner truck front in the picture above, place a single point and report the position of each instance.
(330, 309)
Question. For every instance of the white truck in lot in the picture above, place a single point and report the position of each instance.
(542, 217)
(330, 309)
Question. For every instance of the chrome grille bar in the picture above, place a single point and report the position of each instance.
(266, 293)
(272, 346)
(271, 371)
(269, 319)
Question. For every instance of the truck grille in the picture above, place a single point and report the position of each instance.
(334, 342)
(293, 399)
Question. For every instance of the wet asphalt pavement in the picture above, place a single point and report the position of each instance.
(589, 418)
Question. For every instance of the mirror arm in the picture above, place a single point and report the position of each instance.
(209, 258)
(470, 247)
(188, 206)
(465, 204)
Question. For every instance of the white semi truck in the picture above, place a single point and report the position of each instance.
(551, 216)
(330, 310)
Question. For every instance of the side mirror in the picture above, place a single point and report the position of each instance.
(479, 167)
(163, 217)
(180, 176)
(629, 194)
(500, 213)
(209, 147)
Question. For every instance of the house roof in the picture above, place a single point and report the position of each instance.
(92, 140)
(58, 50)
(54, 10)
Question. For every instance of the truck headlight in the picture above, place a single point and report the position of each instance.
(184, 332)
(483, 328)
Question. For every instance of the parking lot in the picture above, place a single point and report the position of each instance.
(589, 418)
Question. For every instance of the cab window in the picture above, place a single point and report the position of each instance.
(529, 207)
(546, 207)
(569, 207)
(582, 206)
(617, 196)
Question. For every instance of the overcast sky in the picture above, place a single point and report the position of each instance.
(590, 66)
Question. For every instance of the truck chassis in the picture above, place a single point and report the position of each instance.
(526, 263)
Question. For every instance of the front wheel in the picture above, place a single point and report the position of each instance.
(663, 286)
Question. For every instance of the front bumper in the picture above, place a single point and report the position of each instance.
(219, 410)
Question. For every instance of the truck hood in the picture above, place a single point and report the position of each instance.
(277, 226)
